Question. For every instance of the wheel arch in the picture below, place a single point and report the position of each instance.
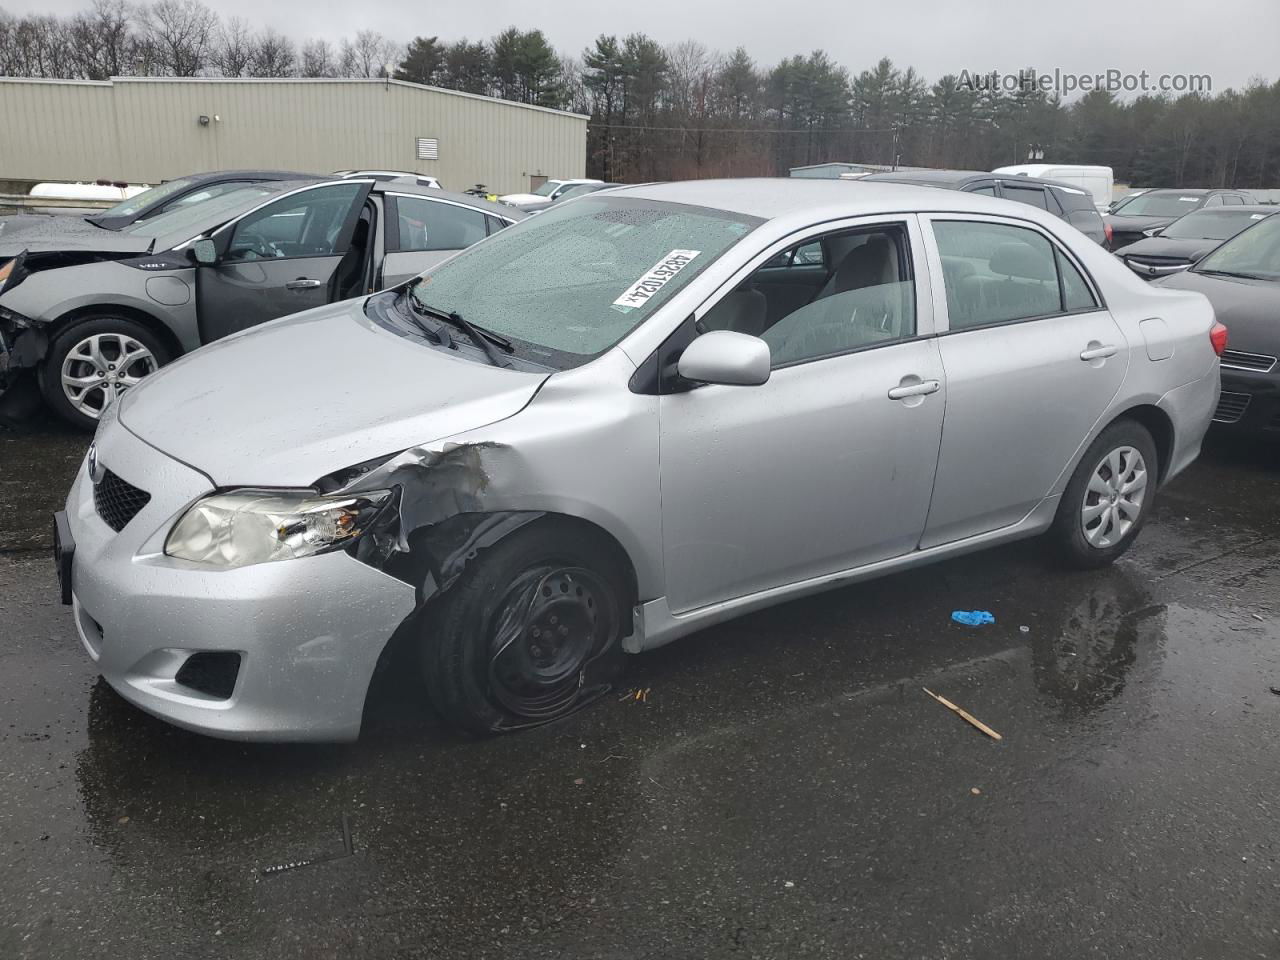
(89, 311)
(1159, 425)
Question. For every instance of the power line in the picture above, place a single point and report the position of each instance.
(641, 126)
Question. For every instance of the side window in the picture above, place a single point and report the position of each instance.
(1024, 194)
(986, 189)
(307, 224)
(428, 225)
(807, 255)
(995, 273)
(1229, 200)
(495, 224)
(1076, 294)
(865, 297)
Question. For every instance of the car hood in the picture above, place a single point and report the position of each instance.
(55, 234)
(291, 401)
(1249, 308)
(1188, 249)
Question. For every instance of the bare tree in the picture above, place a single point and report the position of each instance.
(318, 59)
(102, 40)
(233, 48)
(182, 34)
(369, 55)
(273, 56)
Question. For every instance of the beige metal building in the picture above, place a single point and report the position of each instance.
(146, 129)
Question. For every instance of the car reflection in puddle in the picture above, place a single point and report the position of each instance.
(1082, 660)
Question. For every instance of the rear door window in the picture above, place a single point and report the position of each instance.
(1024, 193)
(430, 225)
(997, 273)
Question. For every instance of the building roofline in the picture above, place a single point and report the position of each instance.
(348, 80)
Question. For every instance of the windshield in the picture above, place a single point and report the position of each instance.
(196, 217)
(140, 201)
(580, 189)
(1252, 253)
(547, 189)
(1160, 205)
(1212, 224)
(573, 281)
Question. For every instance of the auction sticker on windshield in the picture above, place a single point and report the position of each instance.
(657, 277)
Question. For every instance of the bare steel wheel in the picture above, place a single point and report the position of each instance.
(1114, 497)
(531, 632)
(544, 633)
(91, 364)
(1108, 496)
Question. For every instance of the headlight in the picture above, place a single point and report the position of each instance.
(243, 527)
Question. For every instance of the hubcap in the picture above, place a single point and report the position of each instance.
(547, 628)
(1114, 498)
(101, 367)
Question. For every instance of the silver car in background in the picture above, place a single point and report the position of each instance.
(92, 311)
(628, 418)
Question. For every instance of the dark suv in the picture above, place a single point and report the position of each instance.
(1146, 214)
(1072, 204)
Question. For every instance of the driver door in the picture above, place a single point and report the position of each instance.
(279, 259)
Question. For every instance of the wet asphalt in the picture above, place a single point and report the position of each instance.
(787, 789)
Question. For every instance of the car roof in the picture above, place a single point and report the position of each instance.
(929, 176)
(435, 193)
(1191, 191)
(778, 197)
(220, 175)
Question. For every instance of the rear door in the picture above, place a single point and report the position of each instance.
(278, 259)
(1032, 361)
(421, 232)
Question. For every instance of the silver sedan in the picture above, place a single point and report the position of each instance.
(635, 415)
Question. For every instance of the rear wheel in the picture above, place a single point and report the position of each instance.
(531, 632)
(93, 361)
(1108, 497)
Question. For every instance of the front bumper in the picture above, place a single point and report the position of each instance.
(1250, 403)
(308, 632)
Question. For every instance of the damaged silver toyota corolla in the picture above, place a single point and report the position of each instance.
(630, 417)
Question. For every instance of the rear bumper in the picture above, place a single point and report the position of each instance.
(1190, 409)
(1250, 403)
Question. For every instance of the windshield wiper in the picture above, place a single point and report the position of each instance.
(437, 333)
(484, 339)
(1230, 273)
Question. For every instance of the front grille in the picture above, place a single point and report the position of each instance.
(1239, 360)
(117, 501)
(1231, 407)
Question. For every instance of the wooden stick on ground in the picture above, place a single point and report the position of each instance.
(964, 714)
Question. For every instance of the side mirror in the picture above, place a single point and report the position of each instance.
(205, 252)
(725, 357)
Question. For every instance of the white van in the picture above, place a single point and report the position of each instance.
(1097, 180)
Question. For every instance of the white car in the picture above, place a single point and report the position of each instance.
(543, 196)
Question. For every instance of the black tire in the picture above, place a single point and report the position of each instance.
(488, 663)
(1068, 533)
(77, 333)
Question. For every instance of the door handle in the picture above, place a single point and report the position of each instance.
(921, 389)
(1098, 351)
(303, 283)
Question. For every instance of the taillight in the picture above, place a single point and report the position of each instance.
(1110, 234)
(1218, 337)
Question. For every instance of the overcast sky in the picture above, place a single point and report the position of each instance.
(1232, 40)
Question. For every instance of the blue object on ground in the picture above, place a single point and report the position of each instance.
(972, 618)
